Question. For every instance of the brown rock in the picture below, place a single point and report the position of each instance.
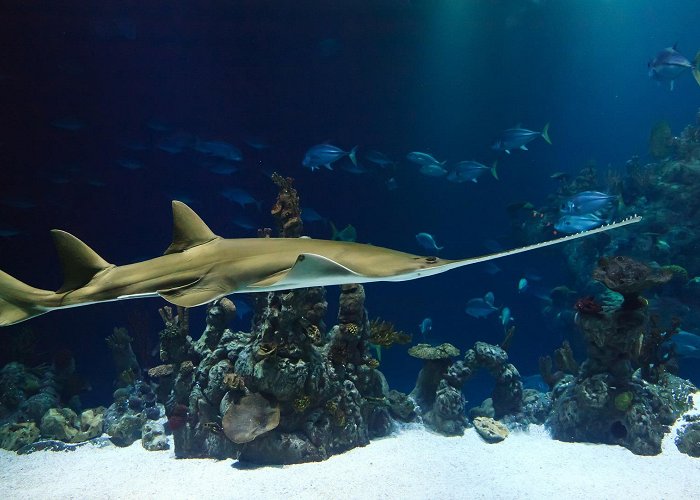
(490, 430)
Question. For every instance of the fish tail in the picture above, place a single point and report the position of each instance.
(352, 155)
(493, 170)
(545, 134)
(19, 301)
(696, 67)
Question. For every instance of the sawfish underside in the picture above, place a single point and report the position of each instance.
(200, 266)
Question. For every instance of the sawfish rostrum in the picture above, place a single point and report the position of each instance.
(200, 266)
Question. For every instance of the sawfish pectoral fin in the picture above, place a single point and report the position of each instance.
(309, 270)
(200, 291)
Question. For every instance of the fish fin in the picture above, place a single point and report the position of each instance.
(309, 270)
(328, 166)
(189, 230)
(200, 291)
(16, 300)
(493, 170)
(507, 151)
(696, 68)
(78, 261)
(352, 155)
(545, 133)
(523, 147)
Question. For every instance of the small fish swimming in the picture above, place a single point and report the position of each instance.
(433, 170)
(240, 196)
(219, 149)
(466, 171)
(422, 158)
(348, 233)
(570, 224)
(517, 138)
(309, 215)
(425, 327)
(324, 155)
(522, 285)
(481, 307)
(506, 317)
(587, 202)
(684, 344)
(379, 159)
(427, 241)
(669, 64)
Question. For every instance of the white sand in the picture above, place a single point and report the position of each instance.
(413, 463)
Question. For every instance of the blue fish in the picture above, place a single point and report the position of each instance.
(669, 64)
(309, 215)
(428, 242)
(481, 307)
(433, 170)
(570, 224)
(348, 233)
(506, 317)
(219, 149)
(535, 382)
(425, 327)
(324, 155)
(517, 138)
(379, 159)
(522, 285)
(422, 158)
(240, 196)
(684, 344)
(466, 171)
(176, 143)
(587, 202)
(244, 222)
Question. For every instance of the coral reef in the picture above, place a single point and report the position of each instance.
(606, 400)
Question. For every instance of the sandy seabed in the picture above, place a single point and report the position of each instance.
(412, 463)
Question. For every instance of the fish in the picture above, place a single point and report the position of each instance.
(587, 202)
(422, 158)
(506, 317)
(379, 159)
(240, 196)
(200, 266)
(522, 285)
(465, 171)
(8, 232)
(309, 215)
(324, 155)
(348, 233)
(176, 143)
(130, 164)
(425, 327)
(570, 224)
(684, 344)
(433, 170)
(391, 184)
(427, 241)
(535, 382)
(481, 307)
(517, 138)
(669, 64)
(219, 149)
(244, 222)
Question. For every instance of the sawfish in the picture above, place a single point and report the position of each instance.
(200, 266)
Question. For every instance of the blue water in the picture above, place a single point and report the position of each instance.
(444, 77)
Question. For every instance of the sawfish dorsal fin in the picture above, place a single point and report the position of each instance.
(78, 261)
(189, 230)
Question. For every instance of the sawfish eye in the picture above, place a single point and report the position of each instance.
(431, 260)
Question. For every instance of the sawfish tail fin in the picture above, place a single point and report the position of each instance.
(19, 301)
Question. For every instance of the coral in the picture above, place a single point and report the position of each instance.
(128, 368)
(15, 436)
(286, 210)
(383, 333)
(302, 403)
(688, 440)
(588, 305)
(175, 342)
(660, 140)
(623, 401)
(629, 278)
(161, 370)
